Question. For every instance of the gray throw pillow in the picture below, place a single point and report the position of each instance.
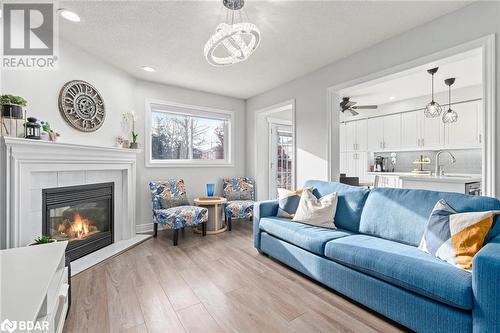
(167, 203)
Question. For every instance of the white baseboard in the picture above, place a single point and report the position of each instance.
(143, 228)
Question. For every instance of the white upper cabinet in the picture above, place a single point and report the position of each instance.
(375, 137)
(392, 131)
(431, 133)
(466, 131)
(413, 131)
(353, 136)
(410, 129)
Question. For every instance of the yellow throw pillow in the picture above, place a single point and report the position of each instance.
(456, 237)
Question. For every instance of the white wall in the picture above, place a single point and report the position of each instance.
(122, 93)
(41, 90)
(474, 21)
(196, 178)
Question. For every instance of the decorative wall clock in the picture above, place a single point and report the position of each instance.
(82, 106)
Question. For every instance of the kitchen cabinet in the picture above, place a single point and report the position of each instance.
(418, 131)
(384, 133)
(354, 164)
(410, 129)
(353, 135)
(431, 133)
(391, 131)
(375, 134)
(466, 132)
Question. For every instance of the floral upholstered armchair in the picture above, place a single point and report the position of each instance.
(240, 195)
(171, 208)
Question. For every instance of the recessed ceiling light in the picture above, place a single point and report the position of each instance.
(392, 97)
(69, 15)
(148, 69)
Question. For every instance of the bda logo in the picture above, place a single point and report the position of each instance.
(8, 325)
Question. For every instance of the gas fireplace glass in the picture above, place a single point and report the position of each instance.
(81, 215)
(77, 222)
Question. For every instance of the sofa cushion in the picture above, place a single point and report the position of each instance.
(351, 200)
(401, 214)
(306, 236)
(404, 266)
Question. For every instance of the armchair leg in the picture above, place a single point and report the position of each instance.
(229, 223)
(156, 230)
(176, 236)
(204, 229)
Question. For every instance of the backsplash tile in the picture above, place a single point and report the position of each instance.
(469, 161)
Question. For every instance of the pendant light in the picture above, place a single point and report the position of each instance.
(433, 109)
(450, 116)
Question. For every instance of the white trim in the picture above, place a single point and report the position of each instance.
(229, 149)
(279, 121)
(487, 45)
(279, 107)
(144, 228)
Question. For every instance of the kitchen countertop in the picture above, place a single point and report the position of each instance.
(449, 178)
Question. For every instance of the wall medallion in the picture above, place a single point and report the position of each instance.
(82, 106)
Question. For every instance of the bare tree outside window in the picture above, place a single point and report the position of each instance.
(185, 137)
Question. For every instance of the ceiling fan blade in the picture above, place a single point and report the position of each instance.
(349, 104)
(354, 113)
(365, 107)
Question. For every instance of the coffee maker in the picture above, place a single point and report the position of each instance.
(380, 164)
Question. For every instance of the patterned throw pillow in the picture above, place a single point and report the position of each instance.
(456, 237)
(289, 201)
(319, 212)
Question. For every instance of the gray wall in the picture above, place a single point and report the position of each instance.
(474, 21)
(196, 178)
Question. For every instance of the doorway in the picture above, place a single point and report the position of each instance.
(281, 156)
(275, 149)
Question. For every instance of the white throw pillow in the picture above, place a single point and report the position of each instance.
(319, 212)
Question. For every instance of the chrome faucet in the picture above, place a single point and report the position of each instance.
(439, 168)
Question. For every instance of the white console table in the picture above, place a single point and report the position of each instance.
(34, 286)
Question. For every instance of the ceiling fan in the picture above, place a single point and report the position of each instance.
(347, 105)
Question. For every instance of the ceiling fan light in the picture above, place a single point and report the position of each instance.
(450, 116)
(433, 110)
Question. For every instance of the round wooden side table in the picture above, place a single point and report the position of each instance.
(215, 206)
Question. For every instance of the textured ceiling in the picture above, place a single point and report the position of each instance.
(297, 37)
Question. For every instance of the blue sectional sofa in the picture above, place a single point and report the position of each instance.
(373, 257)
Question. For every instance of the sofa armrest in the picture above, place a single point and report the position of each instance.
(486, 288)
(262, 209)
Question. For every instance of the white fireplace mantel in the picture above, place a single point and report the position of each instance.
(28, 166)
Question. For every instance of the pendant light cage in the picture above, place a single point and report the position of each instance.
(433, 109)
(450, 116)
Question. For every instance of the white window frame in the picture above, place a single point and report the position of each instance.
(194, 110)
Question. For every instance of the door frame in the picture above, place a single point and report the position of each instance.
(487, 46)
(262, 176)
(276, 123)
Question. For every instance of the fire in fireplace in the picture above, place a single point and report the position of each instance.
(82, 215)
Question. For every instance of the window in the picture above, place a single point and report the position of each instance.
(188, 135)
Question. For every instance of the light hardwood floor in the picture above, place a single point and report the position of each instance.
(217, 283)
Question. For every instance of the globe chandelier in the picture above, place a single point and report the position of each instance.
(432, 109)
(234, 40)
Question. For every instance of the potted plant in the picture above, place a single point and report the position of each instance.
(42, 240)
(134, 143)
(52, 135)
(12, 106)
(129, 119)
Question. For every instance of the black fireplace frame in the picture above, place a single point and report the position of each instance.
(71, 195)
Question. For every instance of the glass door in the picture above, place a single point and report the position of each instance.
(281, 158)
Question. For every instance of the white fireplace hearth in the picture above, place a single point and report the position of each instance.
(29, 166)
